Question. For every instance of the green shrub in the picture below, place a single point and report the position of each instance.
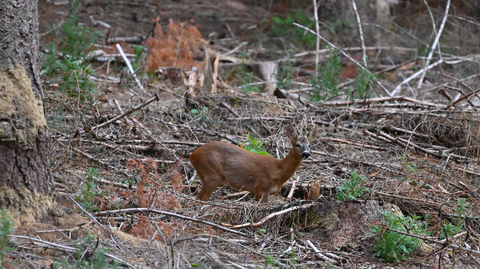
(363, 82)
(66, 62)
(395, 247)
(325, 84)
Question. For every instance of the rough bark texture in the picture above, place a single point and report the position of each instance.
(24, 140)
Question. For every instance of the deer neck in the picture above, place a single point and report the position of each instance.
(289, 165)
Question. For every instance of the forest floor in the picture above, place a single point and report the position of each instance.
(383, 160)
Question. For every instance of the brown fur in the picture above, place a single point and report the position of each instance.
(219, 163)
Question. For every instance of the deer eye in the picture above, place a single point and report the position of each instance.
(298, 145)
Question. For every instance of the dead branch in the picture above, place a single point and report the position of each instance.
(377, 100)
(443, 243)
(434, 45)
(352, 143)
(128, 39)
(256, 224)
(320, 255)
(407, 198)
(360, 31)
(52, 245)
(460, 99)
(128, 112)
(345, 54)
(292, 189)
(135, 210)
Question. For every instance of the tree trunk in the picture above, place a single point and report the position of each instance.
(25, 179)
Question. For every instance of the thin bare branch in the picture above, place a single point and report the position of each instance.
(434, 45)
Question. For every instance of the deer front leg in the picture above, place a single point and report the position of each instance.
(261, 188)
(262, 197)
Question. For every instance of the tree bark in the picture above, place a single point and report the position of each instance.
(24, 140)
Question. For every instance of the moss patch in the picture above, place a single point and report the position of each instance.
(19, 104)
(25, 206)
(326, 223)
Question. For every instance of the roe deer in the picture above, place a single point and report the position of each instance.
(219, 163)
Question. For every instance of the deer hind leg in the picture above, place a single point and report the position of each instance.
(209, 186)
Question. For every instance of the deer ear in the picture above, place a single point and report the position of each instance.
(313, 133)
(291, 134)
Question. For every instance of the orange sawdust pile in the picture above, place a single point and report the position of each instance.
(175, 47)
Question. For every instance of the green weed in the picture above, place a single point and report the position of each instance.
(338, 26)
(203, 112)
(76, 38)
(449, 229)
(462, 204)
(350, 188)
(270, 260)
(395, 247)
(87, 190)
(247, 81)
(412, 167)
(293, 259)
(75, 78)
